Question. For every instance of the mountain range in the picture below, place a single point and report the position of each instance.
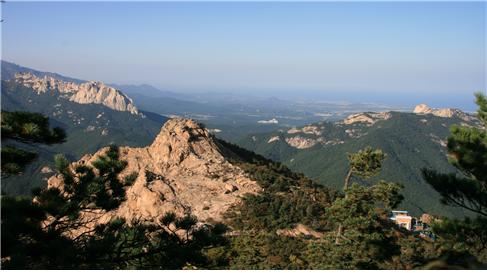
(411, 141)
(95, 115)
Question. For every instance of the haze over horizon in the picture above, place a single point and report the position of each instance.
(391, 53)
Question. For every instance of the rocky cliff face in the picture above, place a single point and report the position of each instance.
(83, 93)
(184, 171)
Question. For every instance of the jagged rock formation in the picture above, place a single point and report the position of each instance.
(369, 118)
(184, 171)
(423, 109)
(299, 142)
(83, 93)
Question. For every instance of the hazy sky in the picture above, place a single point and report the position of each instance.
(412, 47)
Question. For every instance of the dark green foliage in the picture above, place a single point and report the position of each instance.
(130, 179)
(482, 103)
(264, 250)
(14, 160)
(288, 198)
(453, 260)
(410, 141)
(83, 188)
(467, 147)
(463, 236)
(365, 238)
(369, 240)
(26, 128)
(30, 127)
(148, 246)
(25, 243)
(366, 163)
(459, 191)
(414, 252)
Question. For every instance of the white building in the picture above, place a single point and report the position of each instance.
(402, 219)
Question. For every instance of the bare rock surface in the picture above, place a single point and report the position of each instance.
(85, 93)
(423, 109)
(309, 129)
(274, 138)
(299, 142)
(183, 171)
(368, 118)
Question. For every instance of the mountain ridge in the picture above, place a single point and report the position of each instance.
(411, 141)
(84, 93)
(89, 126)
(9, 70)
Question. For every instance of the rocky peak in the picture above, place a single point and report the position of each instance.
(423, 109)
(184, 171)
(181, 138)
(83, 93)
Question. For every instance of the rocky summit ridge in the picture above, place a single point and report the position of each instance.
(91, 92)
(185, 170)
(423, 109)
(371, 118)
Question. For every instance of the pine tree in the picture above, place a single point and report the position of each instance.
(467, 149)
(27, 128)
(368, 240)
(364, 164)
(365, 238)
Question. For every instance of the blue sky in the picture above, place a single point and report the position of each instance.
(401, 49)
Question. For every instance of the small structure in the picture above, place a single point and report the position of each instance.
(420, 226)
(402, 219)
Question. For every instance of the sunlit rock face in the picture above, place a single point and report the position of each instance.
(83, 93)
(369, 118)
(184, 171)
(299, 142)
(423, 109)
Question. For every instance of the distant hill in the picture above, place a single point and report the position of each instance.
(10, 69)
(411, 141)
(93, 115)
